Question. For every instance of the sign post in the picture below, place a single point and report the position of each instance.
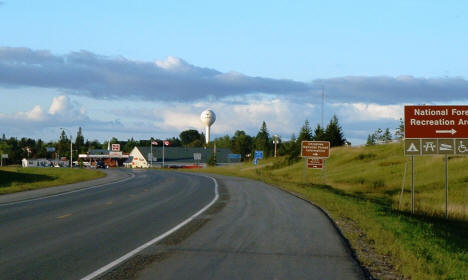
(197, 157)
(435, 130)
(4, 156)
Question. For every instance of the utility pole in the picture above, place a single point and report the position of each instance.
(323, 102)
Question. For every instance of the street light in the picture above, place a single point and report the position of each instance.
(275, 141)
(71, 147)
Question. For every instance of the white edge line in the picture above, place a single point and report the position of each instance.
(155, 240)
(66, 193)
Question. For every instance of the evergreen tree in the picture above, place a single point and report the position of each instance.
(79, 142)
(387, 136)
(334, 133)
(262, 140)
(370, 140)
(319, 133)
(131, 143)
(306, 132)
(63, 148)
(400, 131)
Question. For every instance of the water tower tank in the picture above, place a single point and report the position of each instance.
(207, 117)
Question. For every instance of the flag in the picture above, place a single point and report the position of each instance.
(167, 143)
(154, 143)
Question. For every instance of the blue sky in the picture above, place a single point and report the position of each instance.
(115, 67)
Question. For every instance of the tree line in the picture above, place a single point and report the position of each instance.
(240, 143)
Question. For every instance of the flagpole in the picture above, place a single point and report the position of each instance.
(163, 153)
(151, 164)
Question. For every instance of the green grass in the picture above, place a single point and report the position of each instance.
(17, 179)
(362, 193)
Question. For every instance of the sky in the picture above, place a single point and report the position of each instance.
(146, 69)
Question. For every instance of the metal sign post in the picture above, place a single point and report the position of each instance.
(412, 184)
(324, 173)
(304, 171)
(446, 186)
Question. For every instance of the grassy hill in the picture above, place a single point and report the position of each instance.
(361, 189)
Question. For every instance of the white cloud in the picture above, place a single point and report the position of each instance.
(368, 112)
(36, 114)
(169, 119)
(61, 112)
(59, 104)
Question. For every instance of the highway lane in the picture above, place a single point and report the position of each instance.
(72, 235)
(261, 233)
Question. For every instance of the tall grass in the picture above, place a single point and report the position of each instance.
(16, 179)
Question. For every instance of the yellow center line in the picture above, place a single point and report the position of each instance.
(64, 216)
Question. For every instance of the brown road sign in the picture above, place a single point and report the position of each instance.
(317, 149)
(315, 163)
(444, 121)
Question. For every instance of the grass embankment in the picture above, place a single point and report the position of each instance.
(362, 193)
(17, 179)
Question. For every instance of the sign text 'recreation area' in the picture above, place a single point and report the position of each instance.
(431, 121)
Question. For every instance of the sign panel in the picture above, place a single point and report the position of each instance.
(320, 149)
(50, 149)
(115, 147)
(115, 154)
(432, 121)
(315, 163)
(4, 155)
(196, 156)
(434, 146)
(258, 155)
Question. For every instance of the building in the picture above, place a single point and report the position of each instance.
(110, 158)
(140, 157)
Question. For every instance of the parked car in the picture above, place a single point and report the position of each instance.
(101, 164)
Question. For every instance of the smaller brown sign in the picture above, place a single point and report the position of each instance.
(315, 149)
(315, 163)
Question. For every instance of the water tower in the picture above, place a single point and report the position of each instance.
(207, 117)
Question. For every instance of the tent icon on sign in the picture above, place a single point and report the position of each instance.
(412, 148)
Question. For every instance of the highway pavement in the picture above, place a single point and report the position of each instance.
(70, 235)
(253, 231)
(261, 233)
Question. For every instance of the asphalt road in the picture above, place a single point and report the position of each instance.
(68, 236)
(261, 233)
